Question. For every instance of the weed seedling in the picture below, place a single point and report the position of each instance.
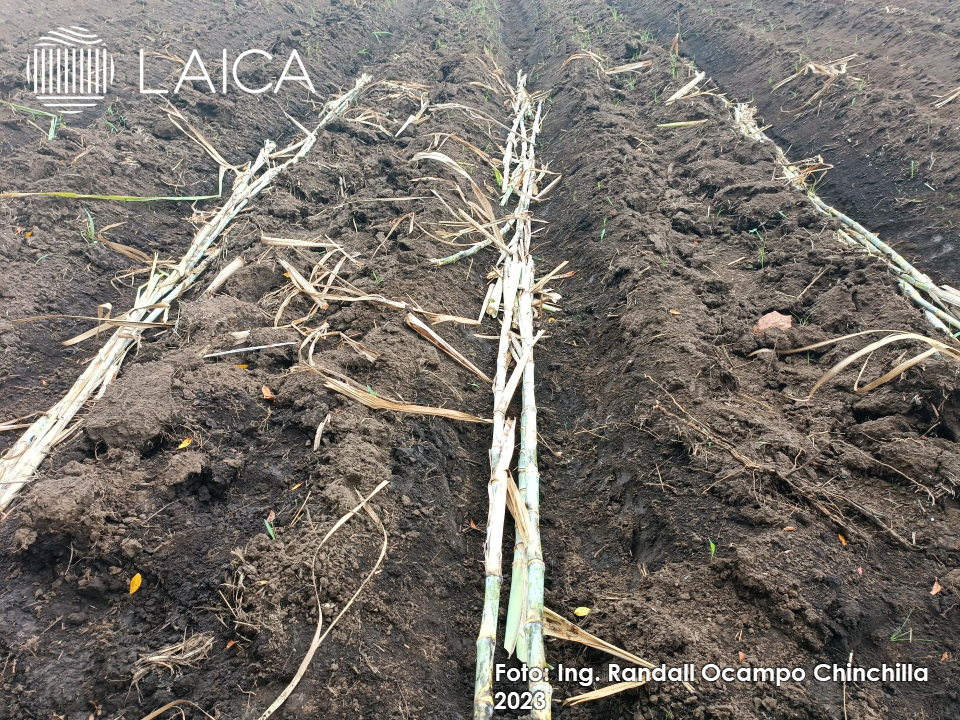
(903, 632)
(90, 230)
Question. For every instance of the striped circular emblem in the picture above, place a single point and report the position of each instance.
(69, 70)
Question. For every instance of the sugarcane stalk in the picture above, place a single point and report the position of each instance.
(911, 292)
(500, 455)
(472, 250)
(529, 475)
(22, 460)
(501, 451)
(516, 608)
(518, 108)
(910, 278)
(514, 288)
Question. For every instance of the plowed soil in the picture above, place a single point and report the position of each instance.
(694, 497)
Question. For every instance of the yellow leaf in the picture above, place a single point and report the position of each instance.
(741, 656)
(135, 583)
(582, 611)
(28, 234)
(937, 588)
(674, 312)
(185, 444)
(242, 367)
(843, 540)
(295, 487)
(231, 644)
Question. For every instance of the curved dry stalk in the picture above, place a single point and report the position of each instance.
(317, 637)
(936, 346)
(175, 703)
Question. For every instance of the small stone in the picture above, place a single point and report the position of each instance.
(772, 321)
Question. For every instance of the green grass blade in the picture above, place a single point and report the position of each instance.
(117, 198)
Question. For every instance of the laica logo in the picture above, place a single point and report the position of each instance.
(69, 70)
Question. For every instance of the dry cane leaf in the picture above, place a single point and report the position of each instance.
(135, 582)
(231, 644)
(601, 693)
(945, 657)
(937, 588)
(378, 403)
(742, 656)
(789, 528)
(268, 394)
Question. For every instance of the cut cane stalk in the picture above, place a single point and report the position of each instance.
(152, 302)
(513, 283)
(500, 454)
(947, 99)
(223, 276)
(940, 307)
(685, 90)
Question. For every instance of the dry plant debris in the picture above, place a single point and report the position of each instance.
(154, 300)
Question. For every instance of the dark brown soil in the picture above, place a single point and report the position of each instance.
(895, 154)
(691, 497)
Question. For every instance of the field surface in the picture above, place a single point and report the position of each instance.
(694, 498)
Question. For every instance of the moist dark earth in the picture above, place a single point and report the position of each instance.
(694, 498)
